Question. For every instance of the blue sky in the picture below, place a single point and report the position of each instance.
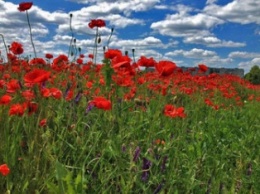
(218, 33)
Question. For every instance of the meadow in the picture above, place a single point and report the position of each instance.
(75, 126)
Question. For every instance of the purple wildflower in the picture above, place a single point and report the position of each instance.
(89, 108)
(78, 97)
(66, 91)
(123, 148)
(137, 153)
(158, 189)
(146, 166)
(163, 166)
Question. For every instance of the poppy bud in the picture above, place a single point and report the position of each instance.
(99, 40)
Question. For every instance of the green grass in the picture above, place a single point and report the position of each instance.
(208, 151)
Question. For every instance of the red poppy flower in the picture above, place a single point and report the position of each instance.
(32, 107)
(165, 68)
(171, 111)
(97, 23)
(79, 61)
(48, 56)
(37, 61)
(25, 6)
(17, 109)
(60, 59)
(16, 48)
(5, 99)
(101, 103)
(43, 122)
(37, 76)
(28, 94)
(91, 56)
(146, 62)
(56, 93)
(4, 169)
(111, 53)
(12, 86)
(203, 68)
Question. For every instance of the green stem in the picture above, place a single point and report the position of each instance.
(72, 37)
(30, 29)
(108, 41)
(5, 46)
(95, 47)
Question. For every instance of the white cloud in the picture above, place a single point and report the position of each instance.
(193, 53)
(239, 11)
(183, 25)
(211, 2)
(150, 42)
(243, 55)
(211, 41)
(249, 64)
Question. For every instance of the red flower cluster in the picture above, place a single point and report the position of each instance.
(97, 23)
(171, 111)
(203, 68)
(37, 76)
(101, 103)
(54, 92)
(24, 6)
(37, 61)
(146, 62)
(5, 99)
(4, 169)
(165, 68)
(17, 109)
(48, 56)
(16, 48)
(112, 53)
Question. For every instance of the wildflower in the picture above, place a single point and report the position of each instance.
(78, 97)
(4, 169)
(37, 61)
(48, 56)
(16, 48)
(146, 62)
(101, 103)
(91, 56)
(111, 53)
(79, 61)
(37, 76)
(171, 111)
(28, 94)
(97, 23)
(146, 166)
(17, 109)
(136, 154)
(203, 68)
(69, 95)
(158, 189)
(163, 166)
(43, 122)
(32, 107)
(5, 99)
(56, 93)
(165, 68)
(24, 6)
(89, 108)
(12, 86)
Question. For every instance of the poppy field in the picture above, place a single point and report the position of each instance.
(125, 125)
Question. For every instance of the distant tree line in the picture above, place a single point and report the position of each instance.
(253, 75)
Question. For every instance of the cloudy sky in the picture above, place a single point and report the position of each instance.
(218, 33)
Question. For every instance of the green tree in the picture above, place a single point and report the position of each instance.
(254, 75)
